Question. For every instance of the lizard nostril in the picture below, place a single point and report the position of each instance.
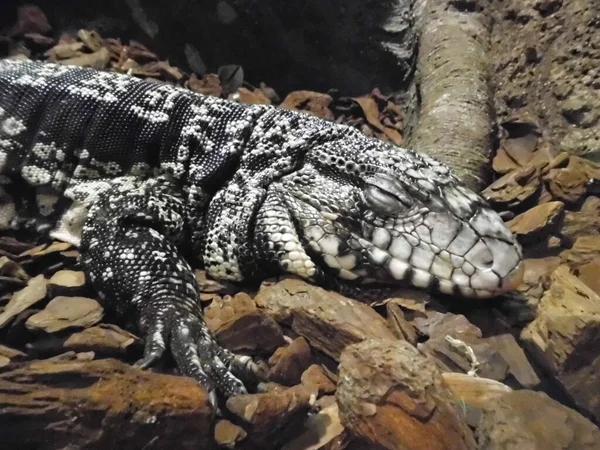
(480, 256)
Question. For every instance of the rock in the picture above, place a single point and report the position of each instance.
(66, 312)
(288, 363)
(103, 339)
(393, 396)
(271, 417)
(513, 188)
(35, 291)
(588, 273)
(228, 434)
(532, 420)
(240, 327)
(67, 283)
(316, 377)
(564, 338)
(518, 365)
(101, 404)
(537, 221)
(327, 320)
(320, 429)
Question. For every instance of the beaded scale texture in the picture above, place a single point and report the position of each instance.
(146, 178)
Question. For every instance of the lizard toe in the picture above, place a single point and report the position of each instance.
(154, 347)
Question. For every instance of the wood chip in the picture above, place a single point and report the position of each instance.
(328, 320)
(393, 396)
(66, 312)
(563, 338)
(35, 291)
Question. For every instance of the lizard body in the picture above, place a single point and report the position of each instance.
(145, 177)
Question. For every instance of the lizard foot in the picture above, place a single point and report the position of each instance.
(198, 355)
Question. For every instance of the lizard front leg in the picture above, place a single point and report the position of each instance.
(129, 250)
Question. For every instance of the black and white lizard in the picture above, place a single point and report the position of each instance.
(143, 176)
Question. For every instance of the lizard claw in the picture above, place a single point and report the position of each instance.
(154, 346)
(198, 355)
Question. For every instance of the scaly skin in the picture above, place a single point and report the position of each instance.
(145, 176)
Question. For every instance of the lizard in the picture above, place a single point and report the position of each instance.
(146, 179)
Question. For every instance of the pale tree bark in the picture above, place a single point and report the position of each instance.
(452, 116)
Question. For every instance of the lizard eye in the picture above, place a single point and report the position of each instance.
(384, 194)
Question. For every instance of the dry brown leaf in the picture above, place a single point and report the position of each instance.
(313, 102)
(254, 98)
(208, 85)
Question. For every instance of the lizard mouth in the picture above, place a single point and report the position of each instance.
(447, 255)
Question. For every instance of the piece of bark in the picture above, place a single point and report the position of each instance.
(535, 278)
(12, 269)
(528, 420)
(66, 312)
(570, 183)
(254, 333)
(585, 222)
(392, 395)
(101, 404)
(565, 336)
(452, 338)
(320, 429)
(316, 377)
(474, 391)
(589, 274)
(11, 353)
(228, 435)
(240, 327)
(271, 417)
(228, 309)
(34, 292)
(399, 325)
(289, 362)
(103, 339)
(67, 283)
(585, 249)
(513, 188)
(537, 221)
(518, 365)
(328, 320)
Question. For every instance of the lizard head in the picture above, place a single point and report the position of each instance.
(366, 211)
